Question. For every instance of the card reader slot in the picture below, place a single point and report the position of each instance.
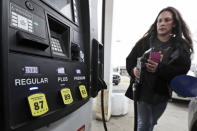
(59, 38)
(32, 41)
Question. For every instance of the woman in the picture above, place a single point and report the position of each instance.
(169, 38)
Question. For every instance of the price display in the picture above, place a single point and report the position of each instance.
(31, 70)
(66, 96)
(38, 104)
(83, 91)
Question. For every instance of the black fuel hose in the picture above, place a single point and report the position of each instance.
(103, 83)
(102, 110)
(135, 105)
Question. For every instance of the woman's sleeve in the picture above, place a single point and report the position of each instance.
(131, 60)
(178, 67)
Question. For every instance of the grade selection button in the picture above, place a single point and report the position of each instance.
(83, 91)
(66, 96)
(38, 104)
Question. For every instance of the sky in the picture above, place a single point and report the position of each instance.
(131, 19)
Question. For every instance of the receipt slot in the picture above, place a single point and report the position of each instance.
(45, 48)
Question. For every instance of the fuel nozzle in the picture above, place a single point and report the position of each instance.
(75, 52)
(101, 85)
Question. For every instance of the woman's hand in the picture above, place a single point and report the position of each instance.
(151, 66)
(136, 72)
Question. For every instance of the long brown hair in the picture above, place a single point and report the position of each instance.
(180, 31)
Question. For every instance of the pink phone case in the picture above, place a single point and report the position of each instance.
(155, 56)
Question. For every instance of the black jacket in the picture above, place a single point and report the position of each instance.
(155, 86)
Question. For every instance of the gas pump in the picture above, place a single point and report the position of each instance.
(46, 49)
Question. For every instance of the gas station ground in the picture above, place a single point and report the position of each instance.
(175, 118)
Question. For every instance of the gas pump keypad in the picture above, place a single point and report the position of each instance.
(83, 91)
(20, 18)
(38, 104)
(66, 96)
(56, 47)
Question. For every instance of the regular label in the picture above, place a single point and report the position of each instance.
(83, 91)
(38, 104)
(66, 96)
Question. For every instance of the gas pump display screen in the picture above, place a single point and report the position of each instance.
(62, 6)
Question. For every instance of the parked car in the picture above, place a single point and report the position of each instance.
(191, 72)
(192, 115)
(116, 78)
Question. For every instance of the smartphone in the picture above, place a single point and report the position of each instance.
(155, 56)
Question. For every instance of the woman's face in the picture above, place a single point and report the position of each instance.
(165, 23)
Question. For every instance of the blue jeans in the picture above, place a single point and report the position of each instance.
(148, 114)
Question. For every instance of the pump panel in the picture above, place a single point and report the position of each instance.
(45, 66)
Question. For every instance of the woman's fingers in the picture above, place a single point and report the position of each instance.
(151, 66)
(136, 72)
